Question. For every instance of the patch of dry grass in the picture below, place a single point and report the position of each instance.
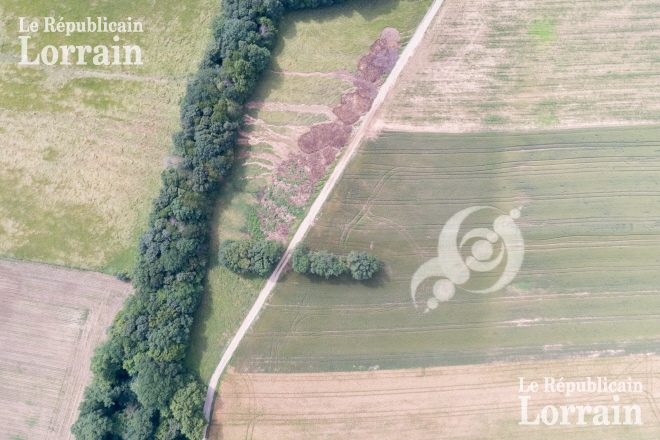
(493, 65)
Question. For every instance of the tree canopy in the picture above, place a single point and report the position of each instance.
(257, 257)
(361, 265)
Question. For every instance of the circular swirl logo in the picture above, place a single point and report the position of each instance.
(487, 248)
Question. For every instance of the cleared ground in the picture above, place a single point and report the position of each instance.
(588, 284)
(473, 401)
(84, 145)
(51, 319)
(500, 65)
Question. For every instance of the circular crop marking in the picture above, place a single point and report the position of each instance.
(488, 248)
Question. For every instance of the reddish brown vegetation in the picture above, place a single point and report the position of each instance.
(294, 180)
(321, 136)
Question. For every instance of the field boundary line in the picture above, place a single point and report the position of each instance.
(318, 203)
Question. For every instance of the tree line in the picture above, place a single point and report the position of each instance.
(361, 265)
(140, 387)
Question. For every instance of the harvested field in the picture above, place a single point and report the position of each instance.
(502, 65)
(472, 401)
(588, 284)
(51, 319)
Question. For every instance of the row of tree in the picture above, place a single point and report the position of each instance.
(361, 265)
(140, 387)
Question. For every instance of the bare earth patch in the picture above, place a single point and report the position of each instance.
(317, 148)
(50, 321)
(471, 401)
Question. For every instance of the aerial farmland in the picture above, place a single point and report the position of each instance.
(540, 111)
(373, 219)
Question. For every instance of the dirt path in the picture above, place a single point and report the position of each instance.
(318, 203)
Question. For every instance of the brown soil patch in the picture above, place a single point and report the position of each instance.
(320, 145)
(50, 321)
(320, 136)
(380, 60)
(353, 106)
(471, 401)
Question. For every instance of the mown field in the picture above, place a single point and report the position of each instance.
(588, 285)
(84, 145)
(533, 64)
(469, 401)
(298, 91)
(51, 319)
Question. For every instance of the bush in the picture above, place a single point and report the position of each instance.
(300, 259)
(258, 257)
(123, 276)
(362, 265)
(326, 264)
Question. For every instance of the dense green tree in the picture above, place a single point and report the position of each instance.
(362, 265)
(156, 383)
(264, 256)
(326, 264)
(139, 424)
(92, 425)
(186, 409)
(140, 387)
(300, 259)
(258, 257)
(234, 255)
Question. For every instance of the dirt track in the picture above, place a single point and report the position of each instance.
(50, 321)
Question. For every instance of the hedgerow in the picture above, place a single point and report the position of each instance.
(140, 387)
(361, 265)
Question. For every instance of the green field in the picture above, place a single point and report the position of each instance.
(588, 284)
(85, 144)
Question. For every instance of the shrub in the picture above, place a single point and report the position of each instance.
(362, 265)
(300, 259)
(326, 264)
(258, 257)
